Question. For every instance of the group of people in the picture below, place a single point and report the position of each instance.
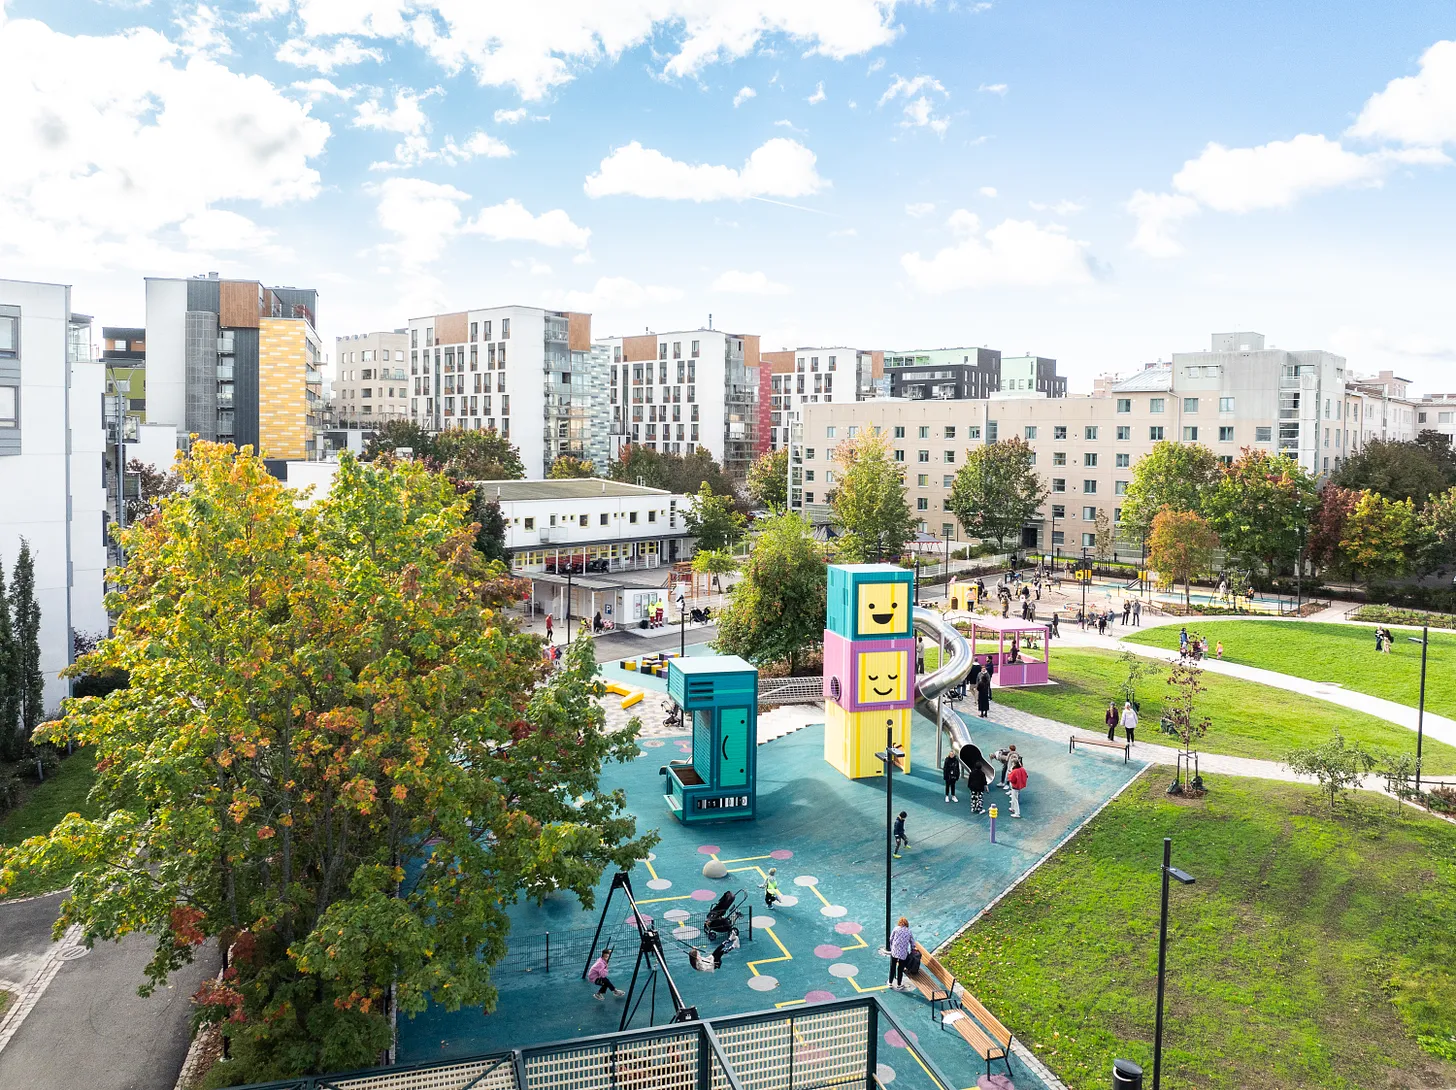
(1383, 639)
(1011, 778)
(1194, 648)
(1132, 613)
(1127, 718)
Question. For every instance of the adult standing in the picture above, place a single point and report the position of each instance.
(1015, 782)
(950, 772)
(1111, 717)
(1129, 721)
(1126, 612)
(983, 693)
(976, 781)
(1137, 613)
(902, 941)
(1056, 626)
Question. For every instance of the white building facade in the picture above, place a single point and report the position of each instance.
(371, 379)
(52, 446)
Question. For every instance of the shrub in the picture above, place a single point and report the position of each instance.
(1394, 615)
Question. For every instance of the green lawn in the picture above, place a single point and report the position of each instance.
(1314, 950)
(1249, 720)
(48, 802)
(1333, 652)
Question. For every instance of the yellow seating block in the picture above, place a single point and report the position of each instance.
(633, 699)
(851, 739)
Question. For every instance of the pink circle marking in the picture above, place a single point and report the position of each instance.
(709, 849)
(894, 1040)
(818, 995)
(810, 1054)
(781, 853)
(827, 951)
(703, 895)
(639, 920)
(848, 927)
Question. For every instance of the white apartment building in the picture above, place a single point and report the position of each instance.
(52, 448)
(674, 392)
(806, 376)
(1437, 412)
(371, 380)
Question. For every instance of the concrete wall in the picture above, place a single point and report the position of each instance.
(166, 354)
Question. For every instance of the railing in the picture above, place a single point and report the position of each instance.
(793, 690)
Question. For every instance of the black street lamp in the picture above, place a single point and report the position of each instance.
(1425, 642)
(1169, 871)
(682, 622)
(889, 756)
(570, 563)
(1085, 574)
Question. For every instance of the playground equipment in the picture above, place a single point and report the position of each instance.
(956, 662)
(1028, 638)
(720, 782)
(630, 696)
(649, 953)
(962, 594)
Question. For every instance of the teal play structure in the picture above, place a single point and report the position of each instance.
(720, 782)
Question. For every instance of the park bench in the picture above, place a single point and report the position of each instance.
(990, 1039)
(934, 980)
(1126, 747)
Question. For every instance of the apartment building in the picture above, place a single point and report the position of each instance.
(51, 448)
(963, 373)
(236, 362)
(809, 375)
(1237, 395)
(531, 374)
(124, 354)
(674, 392)
(371, 385)
(1437, 412)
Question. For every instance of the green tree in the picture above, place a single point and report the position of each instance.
(998, 491)
(478, 455)
(485, 512)
(400, 433)
(683, 474)
(1185, 721)
(776, 611)
(1181, 547)
(1442, 451)
(1105, 536)
(11, 740)
(568, 466)
(1336, 765)
(1172, 476)
(714, 562)
(768, 481)
(868, 501)
(153, 486)
(25, 624)
(713, 521)
(1380, 536)
(1438, 529)
(337, 755)
(1135, 668)
(1327, 526)
(1394, 469)
(1261, 509)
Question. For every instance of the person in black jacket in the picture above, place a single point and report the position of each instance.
(951, 773)
(983, 693)
(976, 780)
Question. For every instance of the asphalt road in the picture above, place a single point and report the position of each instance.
(89, 1028)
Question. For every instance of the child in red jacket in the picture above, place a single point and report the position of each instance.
(1016, 780)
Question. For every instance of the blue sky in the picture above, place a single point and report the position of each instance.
(1105, 184)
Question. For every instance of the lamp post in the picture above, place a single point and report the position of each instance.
(888, 756)
(1051, 543)
(1082, 573)
(1425, 642)
(1299, 574)
(570, 563)
(682, 622)
(1169, 871)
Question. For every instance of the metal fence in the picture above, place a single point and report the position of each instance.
(821, 1046)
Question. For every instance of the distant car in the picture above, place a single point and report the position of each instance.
(596, 565)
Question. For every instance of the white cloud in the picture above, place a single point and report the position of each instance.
(478, 144)
(987, 191)
(1158, 214)
(583, 258)
(1014, 253)
(320, 88)
(112, 143)
(616, 292)
(535, 47)
(510, 117)
(341, 54)
(900, 86)
(843, 232)
(818, 96)
(423, 216)
(1061, 208)
(743, 95)
(202, 34)
(919, 111)
(406, 117)
(1415, 110)
(1376, 346)
(415, 149)
(920, 208)
(1273, 175)
(993, 88)
(217, 231)
(875, 66)
(510, 221)
(533, 267)
(785, 123)
(778, 168)
(748, 283)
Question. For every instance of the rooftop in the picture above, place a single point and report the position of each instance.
(1155, 377)
(576, 488)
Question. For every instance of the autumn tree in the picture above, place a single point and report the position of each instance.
(768, 481)
(568, 466)
(1181, 547)
(1438, 529)
(1327, 526)
(1171, 477)
(478, 455)
(1379, 536)
(1261, 508)
(713, 520)
(776, 611)
(998, 491)
(1105, 536)
(868, 501)
(337, 755)
(490, 522)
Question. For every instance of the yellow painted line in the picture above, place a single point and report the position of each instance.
(659, 900)
(753, 965)
(648, 864)
(790, 1002)
(745, 859)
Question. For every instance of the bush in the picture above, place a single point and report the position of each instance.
(1394, 615)
(1440, 599)
(1442, 799)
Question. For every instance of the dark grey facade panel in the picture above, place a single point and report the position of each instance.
(245, 387)
(204, 295)
(200, 373)
(290, 297)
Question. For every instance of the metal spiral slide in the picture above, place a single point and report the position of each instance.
(957, 657)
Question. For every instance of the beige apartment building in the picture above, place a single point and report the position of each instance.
(370, 386)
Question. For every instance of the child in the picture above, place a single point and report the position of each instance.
(900, 834)
(597, 974)
(1220, 648)
(951, 773)
(771, 894)
(1014, 784)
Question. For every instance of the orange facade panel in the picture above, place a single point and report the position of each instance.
(451, 328)
(750, 349)
(778, 363)
(877, 364)
(240, 303)
(578, 331)
(639, 348)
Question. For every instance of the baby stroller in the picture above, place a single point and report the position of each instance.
(723, 917)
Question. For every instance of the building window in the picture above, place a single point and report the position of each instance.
(1124, 432)
(922, 504)
(899, 431)
(991, 431)
(1119, 488)
(922, 455)
(1058, 511)
(922, 480)
(808, 497)
(475, 331)
(1030, 431)
(947, 481)
(1124, 461)
(1059, 457)
(1226, 435)
(1155, 434)
(950, 431)
(950, 457)
(973, 432)
(1089, 541)
(829, 432)
(632, 516)
(695, 350)
(1225, 404)
(1190, 435)
(1124, 404)
(505, 329)
(924, 432)
(852, 430)
(1058, 537)
(1090, 431)
(651, 516)
(1059, 431)
(9, 406)
(1059, 484)
(1190, 404)
(1089, 514)
(1089, 487)
(1155, 404)
(530, 524)
(1089, 459)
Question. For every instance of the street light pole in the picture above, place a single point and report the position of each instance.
(1169, 871)
(1082, 574)
(888, 757)
(1425, 642)
(570, 563)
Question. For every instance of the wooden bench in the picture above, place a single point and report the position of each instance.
(1126, 747)
(990, 1039)
(934, 981)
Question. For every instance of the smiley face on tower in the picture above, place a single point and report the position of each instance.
(884, 608)
(883, 676)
